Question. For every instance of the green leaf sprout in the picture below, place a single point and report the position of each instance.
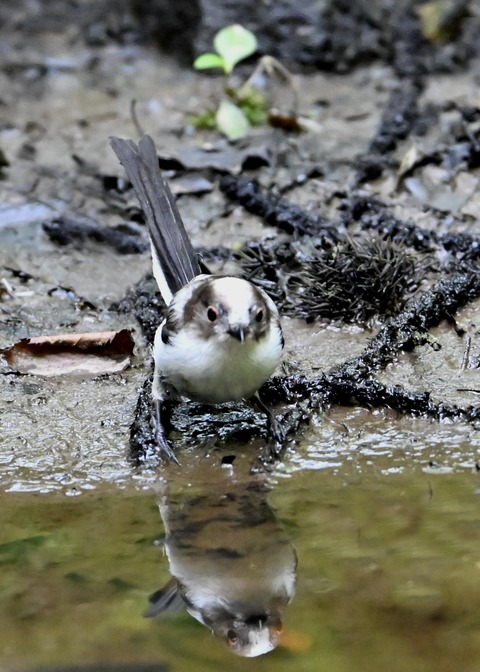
(233, 44)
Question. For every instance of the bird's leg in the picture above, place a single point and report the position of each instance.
(275, 430)
(162, 442)
(160, 395)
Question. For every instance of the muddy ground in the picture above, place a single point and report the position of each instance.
(64, 96)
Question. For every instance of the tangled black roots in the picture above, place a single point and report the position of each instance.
(351, 280)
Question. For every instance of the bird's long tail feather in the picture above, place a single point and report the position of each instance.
(174, 261)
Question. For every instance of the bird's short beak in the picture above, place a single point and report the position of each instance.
(238, 331)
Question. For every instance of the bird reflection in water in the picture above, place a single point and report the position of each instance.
(232, 564)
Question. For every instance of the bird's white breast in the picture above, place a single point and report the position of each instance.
(214, 372)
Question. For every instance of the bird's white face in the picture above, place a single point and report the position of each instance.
(221, 340)
(225, 308)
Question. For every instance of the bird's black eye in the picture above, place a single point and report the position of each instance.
(259, 315)
(232, 636)
(212, 313)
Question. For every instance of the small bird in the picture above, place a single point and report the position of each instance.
(221, 338)
(232, 565)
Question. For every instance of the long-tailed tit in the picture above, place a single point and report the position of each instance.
(221, 338)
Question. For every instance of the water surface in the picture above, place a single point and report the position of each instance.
(382, 514)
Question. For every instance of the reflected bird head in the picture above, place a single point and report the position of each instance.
(251, 637)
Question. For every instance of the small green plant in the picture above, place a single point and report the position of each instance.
(233, 116)
(245, 105)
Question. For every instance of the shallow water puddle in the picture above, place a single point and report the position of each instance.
(382, 514)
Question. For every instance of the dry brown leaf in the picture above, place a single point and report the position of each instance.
(66, 354)
(440, 19)
(409, 160)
